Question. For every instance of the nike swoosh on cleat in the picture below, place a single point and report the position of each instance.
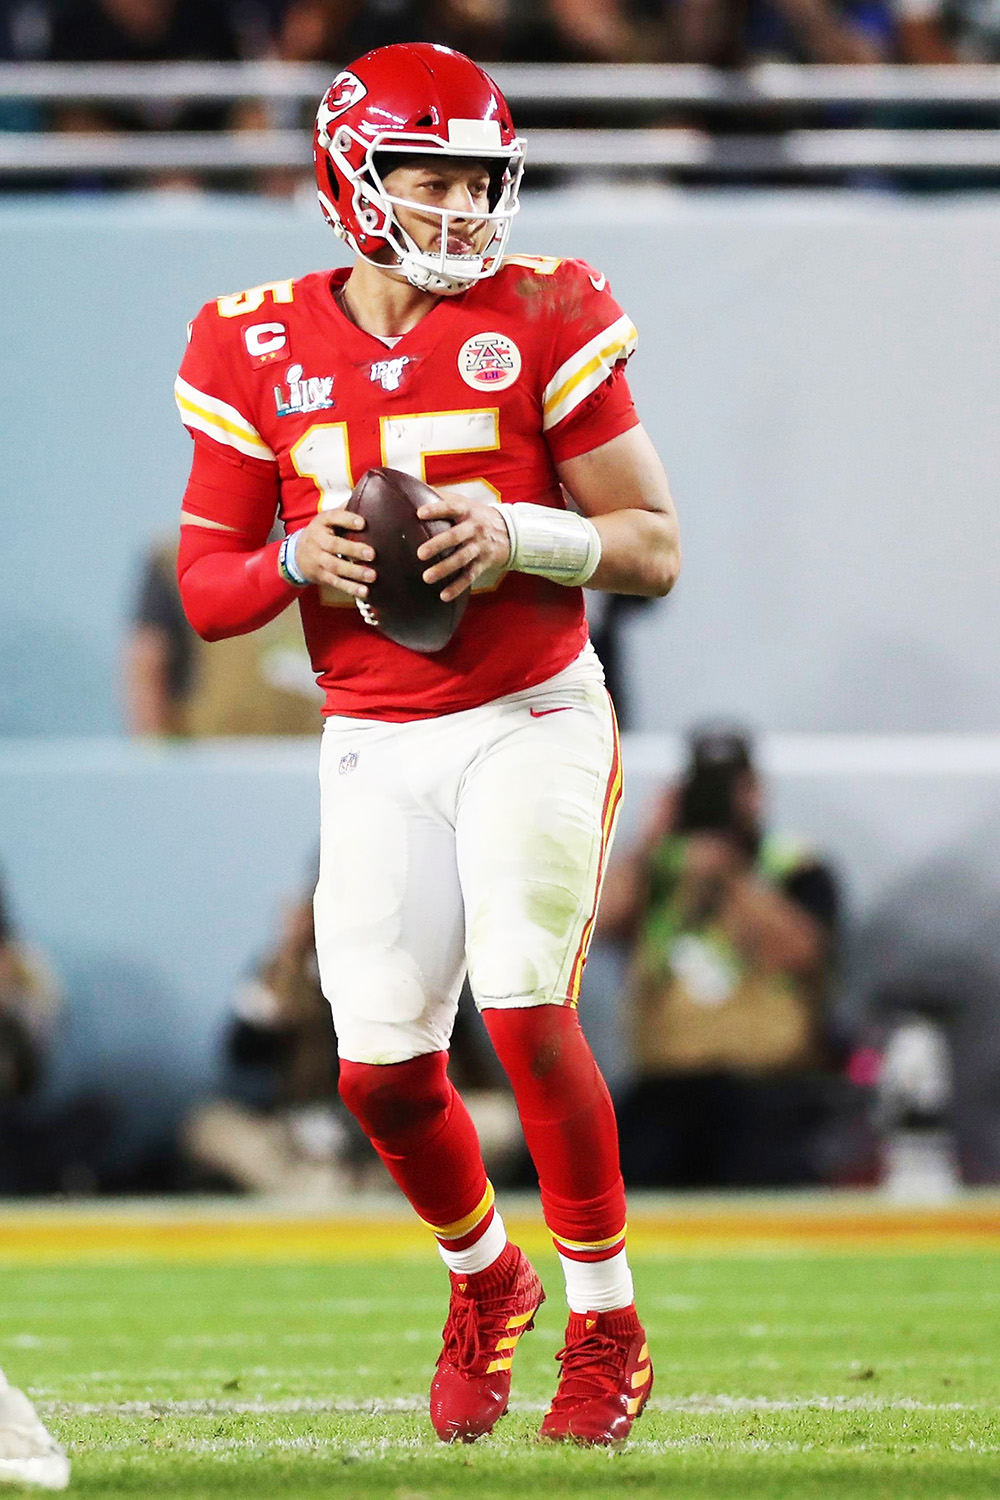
(599, 282)
(540, 713)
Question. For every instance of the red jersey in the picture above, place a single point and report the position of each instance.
(485, 395)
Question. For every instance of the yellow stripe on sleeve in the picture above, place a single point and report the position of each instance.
(580, 375)
(219, 420)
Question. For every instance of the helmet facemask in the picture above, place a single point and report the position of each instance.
(374, 208)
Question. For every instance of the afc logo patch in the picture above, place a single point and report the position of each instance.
(489, 362)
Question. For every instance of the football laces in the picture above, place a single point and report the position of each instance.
(366, 612)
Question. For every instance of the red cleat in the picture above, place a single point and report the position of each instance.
(488, 1314)
(605, 1380)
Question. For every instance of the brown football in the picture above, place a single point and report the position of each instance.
(400, 604)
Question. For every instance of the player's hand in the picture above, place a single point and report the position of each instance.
(477, 542)
(328, 552)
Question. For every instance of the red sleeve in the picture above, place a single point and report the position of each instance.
(605, 414)
(235, 491)
(225, 589)
(229, 580)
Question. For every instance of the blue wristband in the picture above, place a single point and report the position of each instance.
(286, 562)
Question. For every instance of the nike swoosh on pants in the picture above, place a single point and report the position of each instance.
(540, 713)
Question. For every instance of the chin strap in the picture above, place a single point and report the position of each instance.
(431, 279)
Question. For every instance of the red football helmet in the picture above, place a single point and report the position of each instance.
(421, 99)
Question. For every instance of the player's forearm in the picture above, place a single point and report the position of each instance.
(640, 552)
(227, 588)
(622, 489)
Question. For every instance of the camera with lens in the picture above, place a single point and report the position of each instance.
(717, 761)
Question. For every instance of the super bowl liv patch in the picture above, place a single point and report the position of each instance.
(309, 394)
(489, 362)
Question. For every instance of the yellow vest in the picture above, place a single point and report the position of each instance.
(698, 1006)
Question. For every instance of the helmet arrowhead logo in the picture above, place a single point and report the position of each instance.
(345, 90)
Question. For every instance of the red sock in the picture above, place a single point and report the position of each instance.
(569, 1125)
(420, 1128)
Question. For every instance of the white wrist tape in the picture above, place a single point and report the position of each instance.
(556, 544)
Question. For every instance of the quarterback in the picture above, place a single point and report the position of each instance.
(469, 796)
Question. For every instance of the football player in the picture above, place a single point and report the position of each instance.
(29, 1454)
(468, 797)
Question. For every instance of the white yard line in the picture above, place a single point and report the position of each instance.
(222, 1407)
(319, 1447)
(717, 1404)
(697, 1405)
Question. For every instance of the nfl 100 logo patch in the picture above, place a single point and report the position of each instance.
(388, 373)
(348, 763)
(489, 362)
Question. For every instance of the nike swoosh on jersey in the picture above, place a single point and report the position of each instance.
(540, 713)
(599, 282)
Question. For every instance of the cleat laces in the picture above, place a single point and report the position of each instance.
(472, 1331)
(592, 1367)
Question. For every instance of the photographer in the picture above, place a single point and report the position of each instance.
(30, 1002)
(733, 931)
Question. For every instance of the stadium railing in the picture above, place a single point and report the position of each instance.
(792, 121)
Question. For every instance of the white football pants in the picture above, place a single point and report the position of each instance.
(478, 838)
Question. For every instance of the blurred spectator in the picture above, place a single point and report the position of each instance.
(481, 28)
(24, 34)
(734, 930)
(177, 684)
(724, 33)
(42, 1149)
(815, 31)
(140, 31)
(929, 959)
(279, 1127)
(933, 32)
(335, 31)
(948, 31)
(144, 31)
(609, 30)
(29, 1008)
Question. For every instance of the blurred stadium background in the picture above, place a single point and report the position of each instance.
(810, 247)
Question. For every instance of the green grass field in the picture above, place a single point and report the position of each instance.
(777, 1375)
